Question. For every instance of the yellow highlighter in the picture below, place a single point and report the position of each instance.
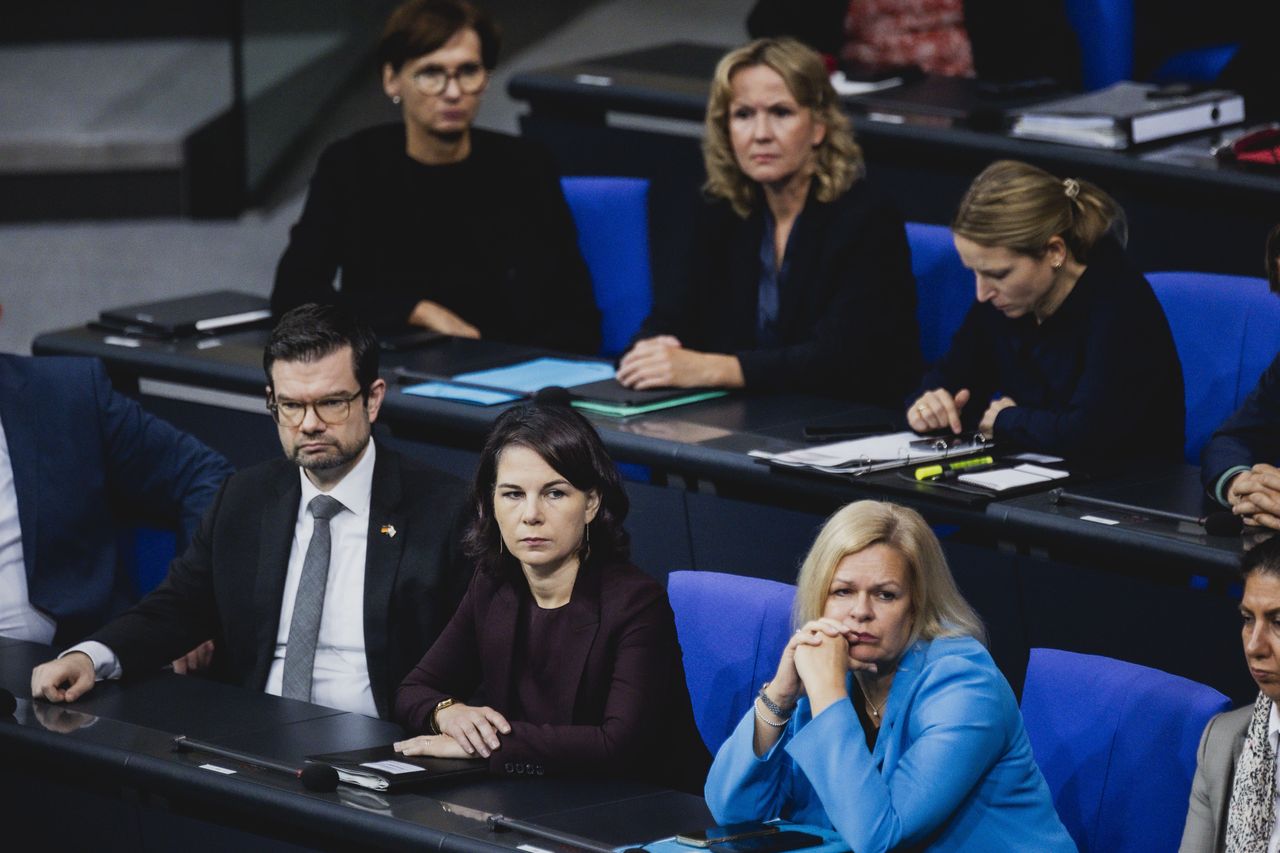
(934, 472)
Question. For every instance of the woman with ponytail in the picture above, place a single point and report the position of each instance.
(1066, 349)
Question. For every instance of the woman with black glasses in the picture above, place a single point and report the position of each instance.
(435, 224)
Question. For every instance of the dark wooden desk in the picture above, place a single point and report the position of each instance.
(637, 113)
(104, 770)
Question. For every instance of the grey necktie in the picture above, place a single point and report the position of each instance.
(308, 604)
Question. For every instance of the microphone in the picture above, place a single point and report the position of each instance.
(315, 777)
(8, 704)
(1217, 523)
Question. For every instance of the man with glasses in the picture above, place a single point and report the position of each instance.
(323, 576)
(435, 224)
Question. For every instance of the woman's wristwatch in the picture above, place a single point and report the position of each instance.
(444, 703)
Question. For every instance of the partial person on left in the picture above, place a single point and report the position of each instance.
(322, 576)
(74, 454)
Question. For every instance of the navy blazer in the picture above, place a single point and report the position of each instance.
(624, 706)
(85, 457)
(229, 585)
(846, 311)
(1251, 435)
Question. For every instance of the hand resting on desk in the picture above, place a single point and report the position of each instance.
(662, 362)
(1255, 496)
(465, 730)
(938, 410)
(63, 679)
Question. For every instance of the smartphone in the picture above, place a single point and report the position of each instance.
(772, 843)
(728, 832)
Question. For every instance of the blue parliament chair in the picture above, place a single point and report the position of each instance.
(612, 216)
(1117, 744)
(145, 553)
(1227, 330)
(944, 288)
(732, 630)
(1105, 30)
(1202, 65)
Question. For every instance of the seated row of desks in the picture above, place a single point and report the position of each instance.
(706, 445)
(102, 774)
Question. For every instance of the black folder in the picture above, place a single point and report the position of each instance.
(353, 768)
(221, 310)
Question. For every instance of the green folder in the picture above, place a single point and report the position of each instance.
(616, 410)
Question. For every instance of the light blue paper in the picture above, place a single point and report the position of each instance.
(530, 376)
(460, 393)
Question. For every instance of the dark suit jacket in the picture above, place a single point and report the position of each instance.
(85, 458)
(625, 708)
(846, 312)
(1220, 747)
(229, 584)
(1251, 435)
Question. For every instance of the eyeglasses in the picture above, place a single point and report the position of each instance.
(331, 410)
(433, 80)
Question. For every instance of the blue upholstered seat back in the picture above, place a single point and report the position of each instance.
(732, 630)
(612, 215)
(1117, 744)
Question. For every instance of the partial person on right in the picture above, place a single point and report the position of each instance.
(1238, 465)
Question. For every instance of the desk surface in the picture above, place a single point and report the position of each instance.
(123, 734)
(710, 440)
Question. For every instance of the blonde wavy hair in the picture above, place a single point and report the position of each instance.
(938, 608)
(837, 159)
(1021, 207)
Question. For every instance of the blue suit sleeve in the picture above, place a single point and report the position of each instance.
(164, 471)
(1251, 435)
(743, 786)
(959, 732)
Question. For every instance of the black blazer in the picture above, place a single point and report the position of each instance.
(229, 584)
(625, 708)
(846, 313)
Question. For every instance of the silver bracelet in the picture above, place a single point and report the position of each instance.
(774, 707)
(770, 723)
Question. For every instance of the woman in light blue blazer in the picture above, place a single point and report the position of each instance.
(887, 719)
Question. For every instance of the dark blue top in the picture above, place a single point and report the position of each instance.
(1100, 378)
(1249, 436)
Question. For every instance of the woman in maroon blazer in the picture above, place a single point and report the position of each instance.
(562, 656)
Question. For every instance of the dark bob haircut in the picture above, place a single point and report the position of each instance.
(419, 27)
(1263, 557)
(310, 332)
(569, 444)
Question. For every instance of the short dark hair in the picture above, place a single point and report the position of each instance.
(1263, 557)
(569, 444)
(419, 27)
(312, 331)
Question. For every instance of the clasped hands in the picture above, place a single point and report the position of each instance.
(814, 663)
(1255, 496)
(938, 410)
(663, 362)
(465, 731)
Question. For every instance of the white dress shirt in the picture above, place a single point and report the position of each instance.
(340, 677)
(18, 619)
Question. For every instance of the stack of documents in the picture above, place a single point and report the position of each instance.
(876, 453)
